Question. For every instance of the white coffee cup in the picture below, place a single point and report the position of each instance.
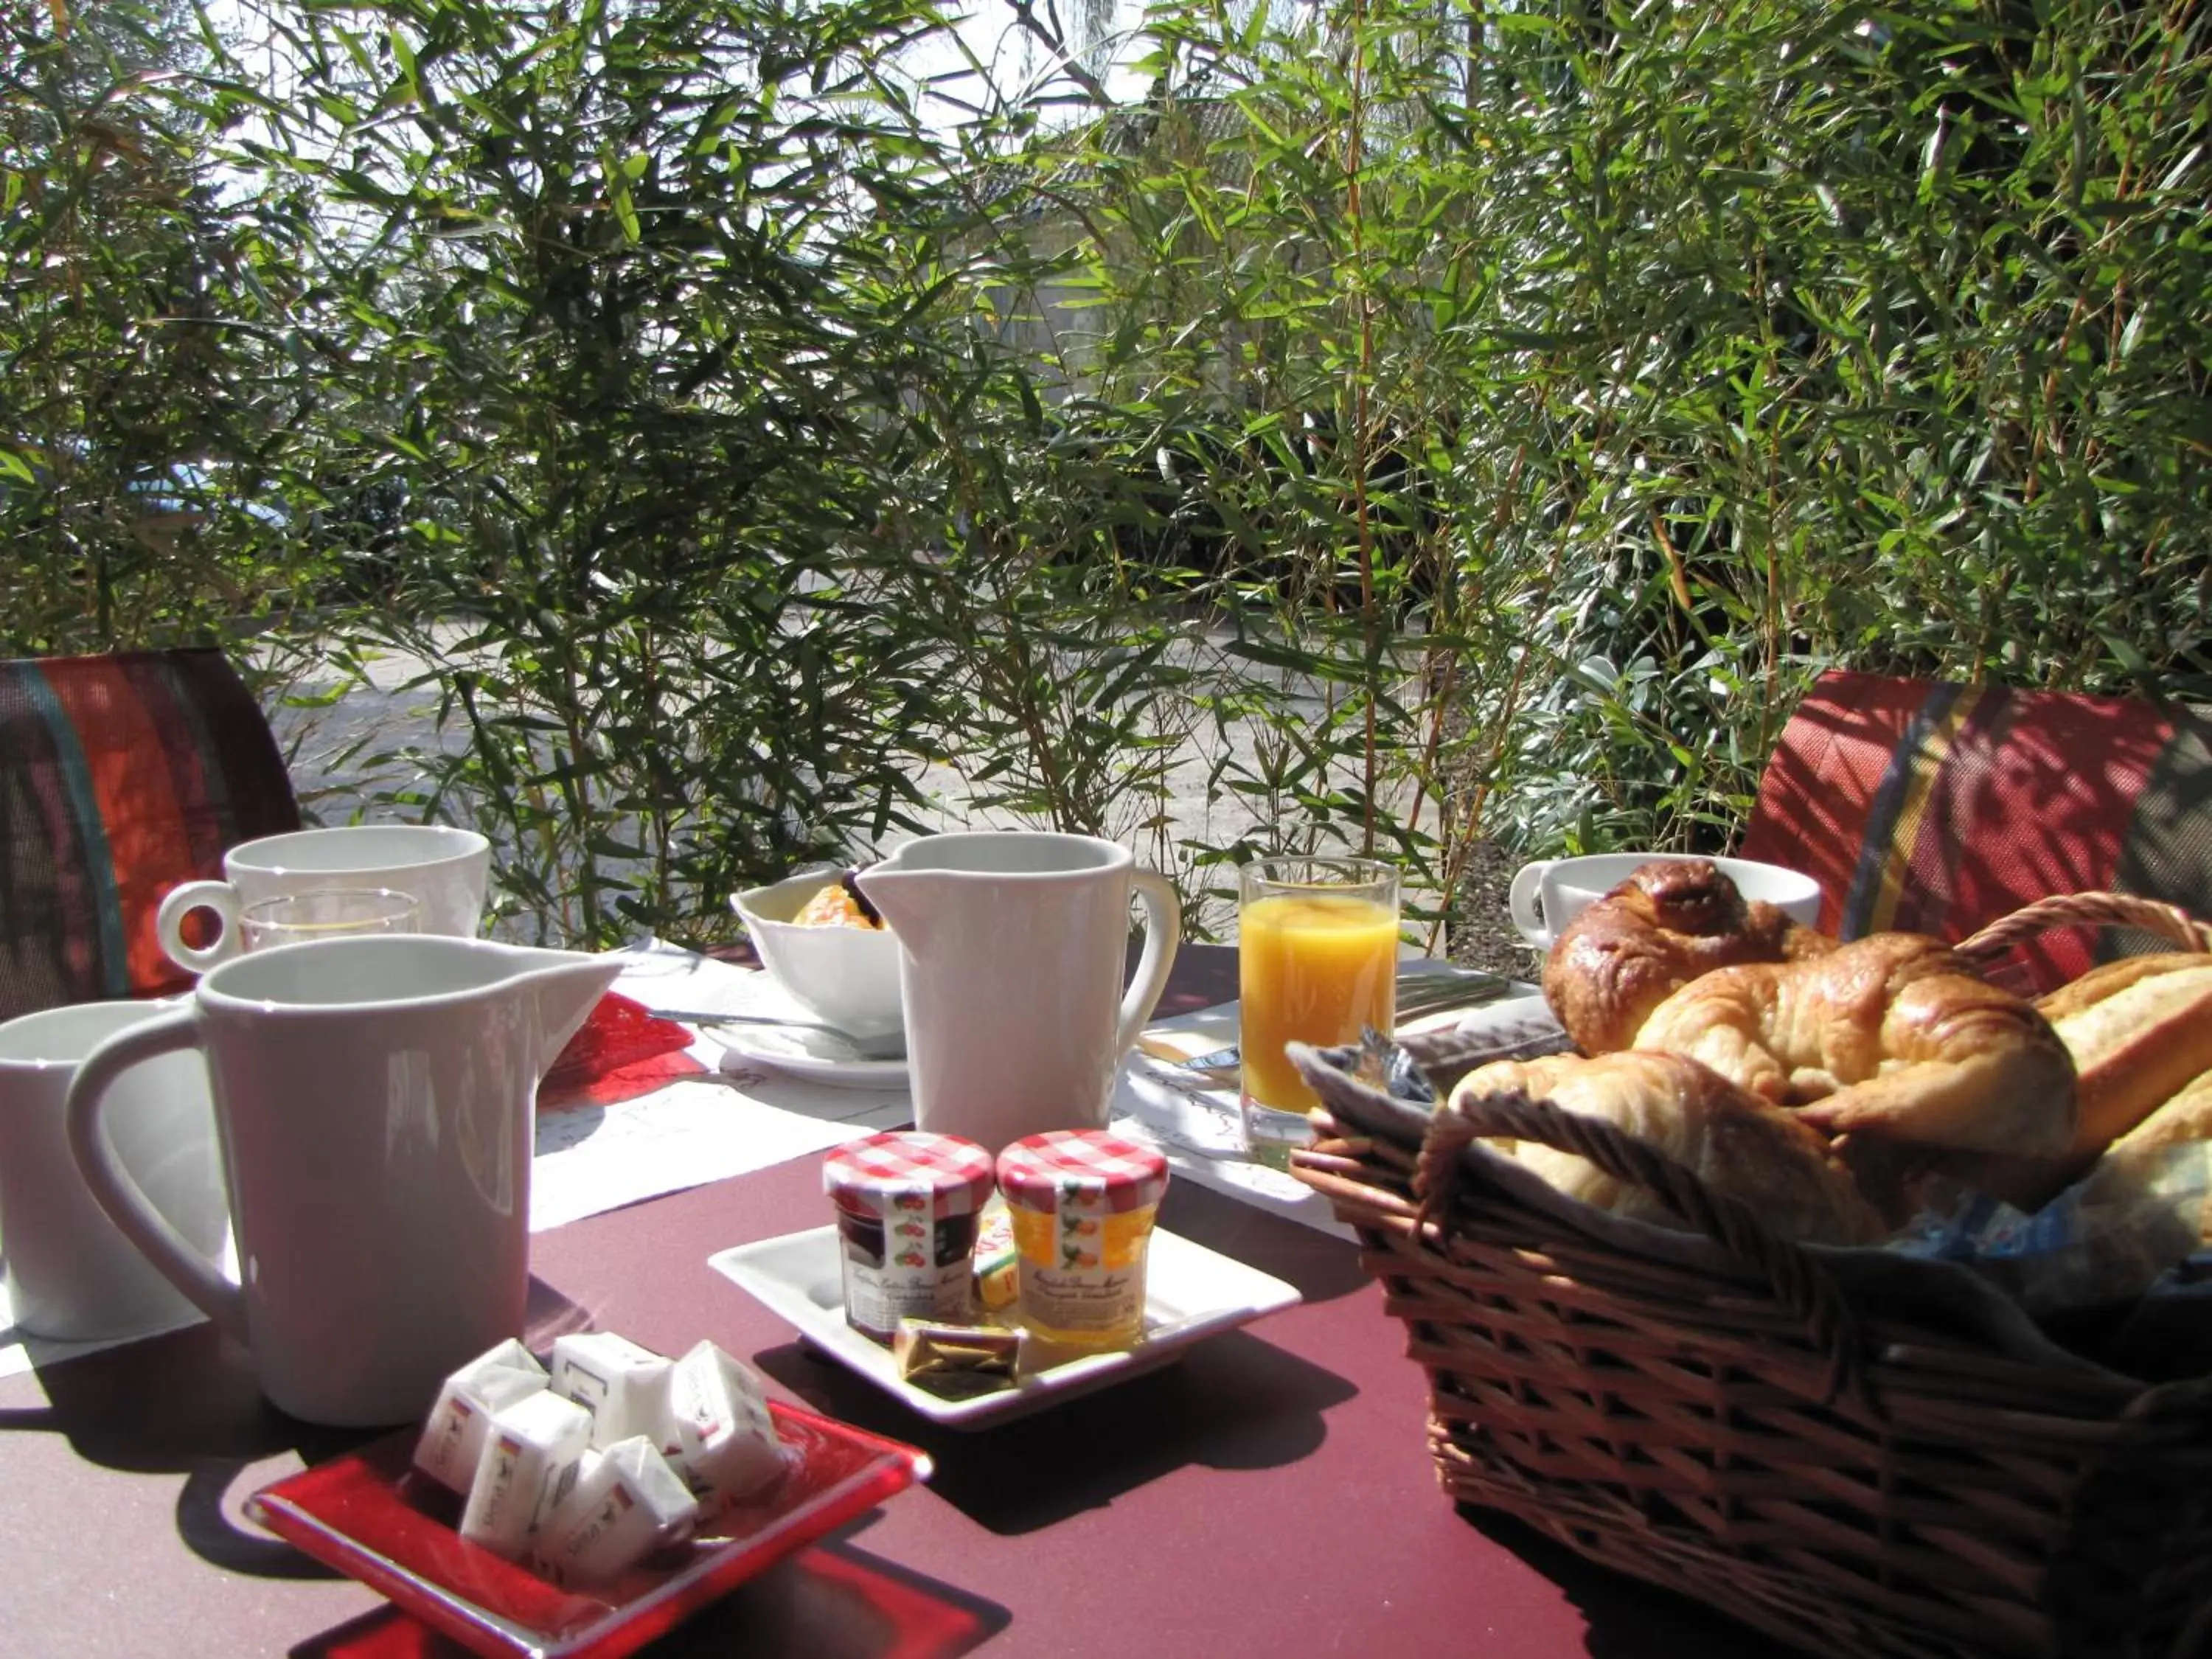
(1549, 893)
(445, 871)
(72, 1276)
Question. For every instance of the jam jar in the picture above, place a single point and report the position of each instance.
(1082, 1201)
(907, 1203)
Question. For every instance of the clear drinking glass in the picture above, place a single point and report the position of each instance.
(334, 913)
(1317, 954)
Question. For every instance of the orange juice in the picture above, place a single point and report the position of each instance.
(1315, 967)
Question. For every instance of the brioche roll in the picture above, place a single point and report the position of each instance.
(1671, 920)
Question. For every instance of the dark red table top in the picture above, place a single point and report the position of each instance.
(1270, 1495)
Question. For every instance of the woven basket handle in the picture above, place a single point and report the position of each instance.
(2168, 921)
(1798, 1282)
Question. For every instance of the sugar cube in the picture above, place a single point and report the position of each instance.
(623, 1386)
(453, 1439)
(626, 1504)
(529, 1465)
(720, 1437)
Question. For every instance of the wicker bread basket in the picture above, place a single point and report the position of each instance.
(1857, 1452)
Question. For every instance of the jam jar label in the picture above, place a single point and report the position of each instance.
(1083, 1262)
(912, 1266)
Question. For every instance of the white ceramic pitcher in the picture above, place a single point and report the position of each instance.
(1012, 947)
(373, 1101)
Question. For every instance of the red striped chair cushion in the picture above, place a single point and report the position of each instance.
(1937, 808)
(120, 776)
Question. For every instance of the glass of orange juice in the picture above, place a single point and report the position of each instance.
(1318, 956)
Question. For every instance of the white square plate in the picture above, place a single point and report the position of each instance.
(1191, 1293)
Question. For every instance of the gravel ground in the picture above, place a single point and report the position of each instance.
(1480, 933)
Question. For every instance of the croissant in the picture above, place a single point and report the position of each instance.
(1890, 1038)
(1733, 1141)
(1670, 921)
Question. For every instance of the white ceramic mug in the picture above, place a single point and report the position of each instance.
(1549, 894)
(1012, 948)
(72, 1276)
(373, 1100)
(445, 871)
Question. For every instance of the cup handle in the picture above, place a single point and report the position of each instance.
(1521, 900)
(111, 1185)
(1162, 934)
(219, 897)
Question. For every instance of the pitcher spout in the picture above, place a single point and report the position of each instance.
(567, 985)
(902, 897)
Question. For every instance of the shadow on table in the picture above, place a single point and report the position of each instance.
(1233, 1402)
(188, 1403)
(832, 1601)
(1628, 1619)
(1323, 1267)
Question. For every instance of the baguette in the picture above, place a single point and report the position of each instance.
(2109, 977)
(2187, 1116)
(2139, 1030)
(2148, 1165)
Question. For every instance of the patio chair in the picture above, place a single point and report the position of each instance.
(120, 776)
(1935, 808)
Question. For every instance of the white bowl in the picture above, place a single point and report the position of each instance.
(848, 975)
(1550, 893)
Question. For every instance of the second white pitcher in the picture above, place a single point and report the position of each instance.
(1014, 944)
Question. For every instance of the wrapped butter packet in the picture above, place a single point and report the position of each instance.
(718, 1434)
(626, 1504)
(623, 1385)
(529, 1465)
(957, 1361)
(453, 1438)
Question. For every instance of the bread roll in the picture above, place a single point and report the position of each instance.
(2138, 1029)
(1670, 921)
(1732, 1142)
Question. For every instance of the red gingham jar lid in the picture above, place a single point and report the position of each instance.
(1032, 1171)
(956, 1173)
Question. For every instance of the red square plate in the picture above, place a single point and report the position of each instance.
(369, 1514)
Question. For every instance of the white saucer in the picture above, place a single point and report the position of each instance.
(1190, 1293)
(802, 1054)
